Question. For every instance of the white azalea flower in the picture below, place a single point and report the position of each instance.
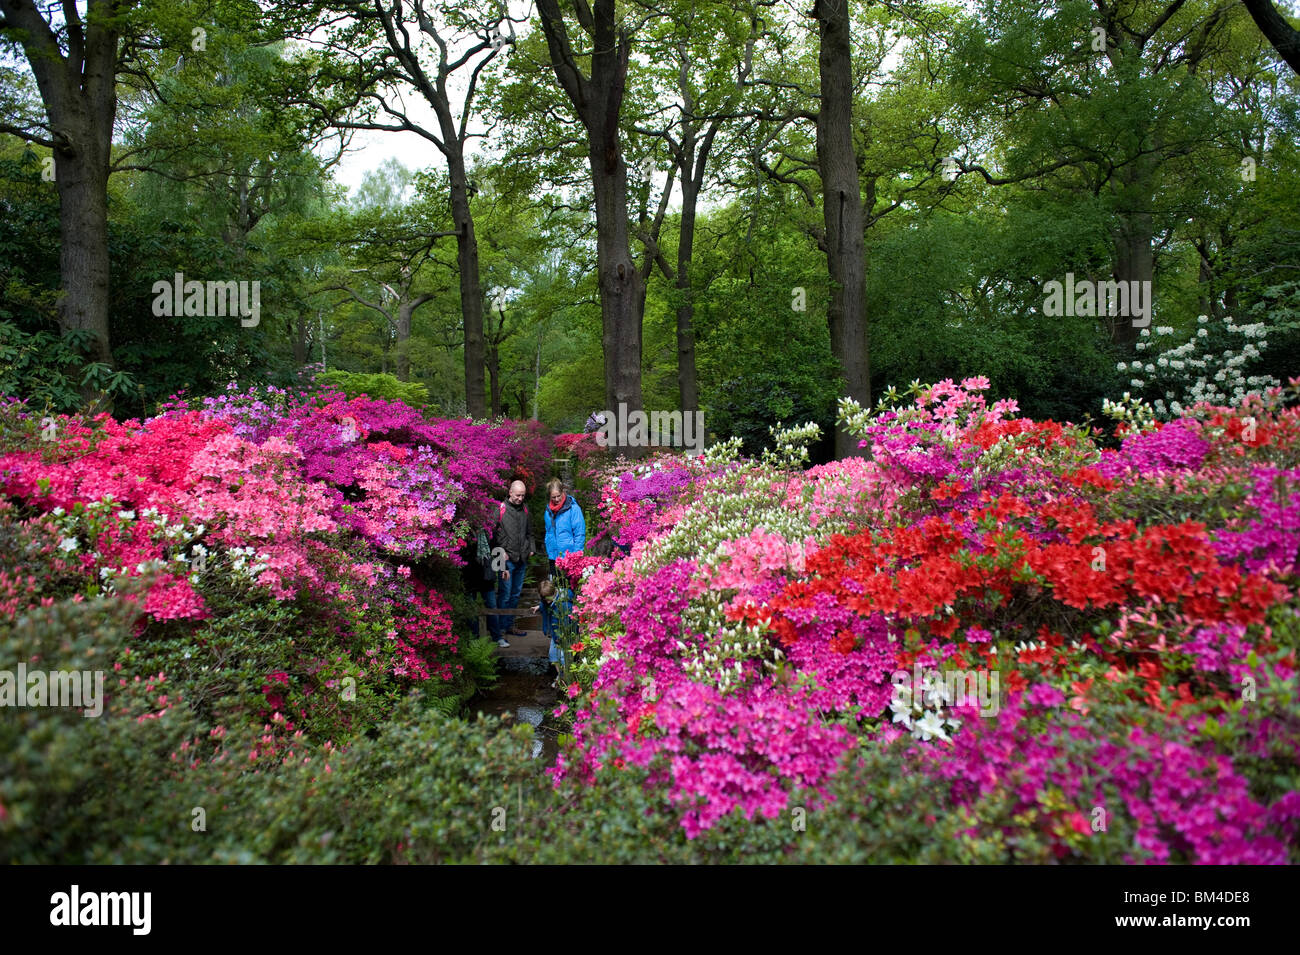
(931, 725)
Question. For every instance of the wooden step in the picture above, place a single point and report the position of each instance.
(533, 644)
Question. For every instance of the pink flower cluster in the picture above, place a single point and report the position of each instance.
(745, 561)
(1183, 798)
(294, 492)
(721, 752)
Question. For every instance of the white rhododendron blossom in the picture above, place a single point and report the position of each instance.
(1200, 368)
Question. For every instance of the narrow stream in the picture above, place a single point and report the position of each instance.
(525, 696)
(524, 693)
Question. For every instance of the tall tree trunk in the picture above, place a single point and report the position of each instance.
(842, 210)
(537, 373)
(471, 291)
(1134, 262)
(692, 159)
(1231, 303)
(1134, 258)
(404, 311)
(298, 330)
(598, 101)
(494, 378)
(687, 383)
(622, 291)
(82, 180)
(79, 93)
(1284, 37)
(1207, 296)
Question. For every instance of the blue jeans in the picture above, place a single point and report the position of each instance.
(505, 596)
(551, 628)
(556, 615)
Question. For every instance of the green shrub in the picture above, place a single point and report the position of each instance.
(382, 386)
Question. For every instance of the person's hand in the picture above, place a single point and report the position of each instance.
(502, 575)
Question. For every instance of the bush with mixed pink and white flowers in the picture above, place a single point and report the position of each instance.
(307, 500)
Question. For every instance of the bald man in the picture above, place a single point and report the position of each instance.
(514, 534)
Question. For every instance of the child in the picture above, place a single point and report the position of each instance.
(555, 608)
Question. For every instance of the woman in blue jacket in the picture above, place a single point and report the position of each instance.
(566, 529)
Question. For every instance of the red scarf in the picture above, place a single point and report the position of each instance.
(555, 508)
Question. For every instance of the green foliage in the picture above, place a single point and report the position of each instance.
(749, 407)
(37, 361)
(478, 656)
(956, 297)
(427, 789)
(1279, 308)
(763, 346)
(385, 387)
(68, 780)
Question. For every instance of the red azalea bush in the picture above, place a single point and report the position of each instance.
(423, 631)
(582, 447)
(531, 456)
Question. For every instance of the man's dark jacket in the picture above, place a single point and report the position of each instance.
(514, 532)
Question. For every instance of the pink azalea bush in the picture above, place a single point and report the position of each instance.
(302, 506)
(377, 453)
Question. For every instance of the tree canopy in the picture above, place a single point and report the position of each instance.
(746, 209)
